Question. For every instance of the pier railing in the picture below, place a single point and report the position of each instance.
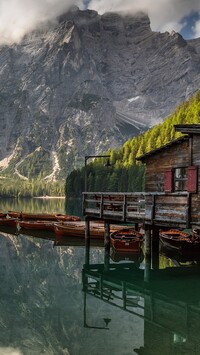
(172, 209)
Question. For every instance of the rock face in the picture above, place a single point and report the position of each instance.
(85, 84)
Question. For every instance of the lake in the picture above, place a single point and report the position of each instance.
(61, 300)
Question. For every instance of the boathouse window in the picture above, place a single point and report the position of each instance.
(180, 179)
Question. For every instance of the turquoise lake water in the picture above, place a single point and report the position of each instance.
(85, 301)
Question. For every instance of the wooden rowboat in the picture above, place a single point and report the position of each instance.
(8, 221)
(14, 214)
(3, 215)
(77, 229)
(39, 225)
(65, 218)
(42, 216)
(181, 241)
(126, 240)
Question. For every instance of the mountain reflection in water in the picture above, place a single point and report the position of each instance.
(68, 299)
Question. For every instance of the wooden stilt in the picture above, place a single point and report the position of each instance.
(87, 228)
(148, 252)
(87, 251)
(148, 242)
(107, 258)
(87, 241)
(147, 269)
(106, 235)
(155, 248)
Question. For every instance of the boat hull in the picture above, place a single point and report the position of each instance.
(126, 241)
(42, 216)
(180, 241)
(77, 229)
(38, 225)
(8, 221)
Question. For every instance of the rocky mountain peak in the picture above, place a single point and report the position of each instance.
(86, 84)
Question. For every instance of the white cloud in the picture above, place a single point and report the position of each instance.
(165, 15)
(196, 29)
(20, 16)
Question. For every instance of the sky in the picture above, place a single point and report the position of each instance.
(20, 16)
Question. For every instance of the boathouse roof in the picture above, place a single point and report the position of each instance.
(186, 129)
(163, 147)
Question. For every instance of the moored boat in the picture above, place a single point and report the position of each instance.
(179, 240)
(39, 225)
(14, 214)
(42, 216)
(126, 240)
(77, 229)
(8, 221)
(38, 216)
(3, 215)
(69, 218)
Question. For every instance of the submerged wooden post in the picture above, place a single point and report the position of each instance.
(106, 258)
(148, 242)
(147, 269)
(107, 235)
(87, 229)
(87, 251)
(87, 241)
(155, 248)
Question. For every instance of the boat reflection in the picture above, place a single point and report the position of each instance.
(168, 301)
(136, 257)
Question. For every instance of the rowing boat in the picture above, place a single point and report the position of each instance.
(65, 218)
(42, 216)
(8, 221)
(126, 240)
(39, 225)
(179, 240)
(77, 229)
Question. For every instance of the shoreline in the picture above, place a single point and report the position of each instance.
(50, 197)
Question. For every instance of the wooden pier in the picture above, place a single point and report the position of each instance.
(149, 209)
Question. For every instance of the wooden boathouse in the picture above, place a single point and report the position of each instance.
(172, 189)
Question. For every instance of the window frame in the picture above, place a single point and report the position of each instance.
(182, 179)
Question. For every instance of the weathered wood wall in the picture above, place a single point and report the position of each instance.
(195, 198)
(172, 157)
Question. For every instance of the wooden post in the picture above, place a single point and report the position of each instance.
(106, 258)
(87, 251)
(147, 269)
(148, 242)
(87, 229)
(87, 241)
(137, 227)
(155, 248)
(106, 235)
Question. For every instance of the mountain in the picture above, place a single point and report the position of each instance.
(86, 83)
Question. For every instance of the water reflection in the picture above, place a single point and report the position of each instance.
(42, 205)
(67, 299)
(168, 301)
(34, 205)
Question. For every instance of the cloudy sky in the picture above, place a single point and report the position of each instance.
(19, 16)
